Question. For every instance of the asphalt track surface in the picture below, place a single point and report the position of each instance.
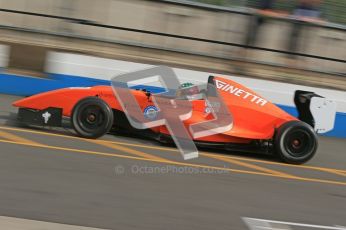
(122, 182)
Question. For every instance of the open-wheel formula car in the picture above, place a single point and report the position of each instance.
(258, 125)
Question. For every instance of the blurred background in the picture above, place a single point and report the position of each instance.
(299, 41)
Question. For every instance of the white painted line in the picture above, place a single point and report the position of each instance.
(11, 223)
(257, 224)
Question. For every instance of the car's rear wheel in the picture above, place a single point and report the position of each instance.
(92, 117)
(295, 142)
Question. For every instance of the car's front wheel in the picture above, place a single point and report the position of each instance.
(295, 142)
(92, 117)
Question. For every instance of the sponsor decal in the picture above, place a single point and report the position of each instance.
(240, 93)
(211, 106)
(46, 117)
(150, 112)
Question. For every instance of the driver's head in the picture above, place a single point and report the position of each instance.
(189, 91)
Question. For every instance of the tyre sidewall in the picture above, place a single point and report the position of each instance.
(100, 131)
(283, 135)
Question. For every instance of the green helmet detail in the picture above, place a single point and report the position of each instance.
(186, 85)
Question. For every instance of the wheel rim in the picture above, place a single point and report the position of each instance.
(299, 143)
(91, 117)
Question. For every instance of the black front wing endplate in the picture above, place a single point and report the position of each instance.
(46, 117)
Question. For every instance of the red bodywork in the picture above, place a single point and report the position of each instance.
(253, 117)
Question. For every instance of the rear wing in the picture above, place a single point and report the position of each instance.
(315, 110)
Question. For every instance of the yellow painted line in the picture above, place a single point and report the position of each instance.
(329, 170)
(130, 157)
(340, 170)
(117, 146)
(337, 172)
(12, 137)
(173, 162)
(125, 149)
(45, 133)
(252, 166)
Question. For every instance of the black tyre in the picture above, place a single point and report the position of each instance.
(295, 142)
(92, 117)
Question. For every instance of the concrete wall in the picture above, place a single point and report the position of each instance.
(104, 69)
(4, 56)
(182, 20)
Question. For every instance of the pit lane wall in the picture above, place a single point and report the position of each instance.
(71, 70)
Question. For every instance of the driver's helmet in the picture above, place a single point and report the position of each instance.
(189, 91)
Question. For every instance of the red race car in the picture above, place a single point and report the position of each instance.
(258, 125)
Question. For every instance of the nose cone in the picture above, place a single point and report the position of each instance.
(41, 100)
(28, 102)
(20, 103)
(37, 101)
